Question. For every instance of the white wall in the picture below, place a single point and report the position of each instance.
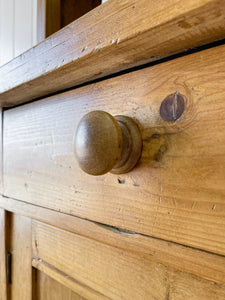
(18, 27)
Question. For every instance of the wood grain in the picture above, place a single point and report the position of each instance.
(175, 193)
(113, 37)
(1, 151)
(52, 17)
(50, 289)
(115, 273)
(72, 10)
(20, 248)
(3, 285)
(64, 280)
(200, 263)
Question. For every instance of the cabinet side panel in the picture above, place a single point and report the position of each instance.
(20, 249)
(3, 288)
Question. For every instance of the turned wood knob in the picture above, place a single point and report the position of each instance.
(105, 143)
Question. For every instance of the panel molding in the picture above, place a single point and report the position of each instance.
(113, 272)
(183, 258)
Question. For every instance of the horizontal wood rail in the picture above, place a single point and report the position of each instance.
(203, 264)
(136, 32)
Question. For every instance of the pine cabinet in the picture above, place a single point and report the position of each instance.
(154, 232)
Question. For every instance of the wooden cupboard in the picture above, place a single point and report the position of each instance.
(156, 232)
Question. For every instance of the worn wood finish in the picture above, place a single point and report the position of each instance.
(98, 142)
(82, 289)
(3, 285)
(20, 248)
(50, 289)
(200, 263)
(1, 152)
(177, 190)
(113, 37)
(98, 265)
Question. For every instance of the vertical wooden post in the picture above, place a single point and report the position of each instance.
(20, 246)
(1, 151)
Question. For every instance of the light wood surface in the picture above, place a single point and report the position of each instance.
(68, 282)
(177, 190)
(1, 151)
(3, 287)
(200, 263)
(91, 47)
(50, 289)
(115, 273)
(20, 248)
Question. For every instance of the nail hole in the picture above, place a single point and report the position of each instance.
(121, 181)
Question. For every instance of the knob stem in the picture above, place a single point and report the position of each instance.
(131, 147)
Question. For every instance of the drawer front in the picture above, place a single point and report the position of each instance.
(176, 192)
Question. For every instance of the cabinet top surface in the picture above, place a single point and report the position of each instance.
(114, 36)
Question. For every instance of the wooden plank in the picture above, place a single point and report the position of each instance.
(3, 285)
(20, 248)
(66, 281)
(175, 193)
(110, 38)
(1, 152)
(50, 289)
(113, 272)
(200, 263)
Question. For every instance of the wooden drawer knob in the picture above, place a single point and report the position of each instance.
(105, 143)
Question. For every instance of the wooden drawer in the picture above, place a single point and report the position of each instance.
(177, 190)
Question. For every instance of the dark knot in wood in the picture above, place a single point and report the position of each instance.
(172, 107)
